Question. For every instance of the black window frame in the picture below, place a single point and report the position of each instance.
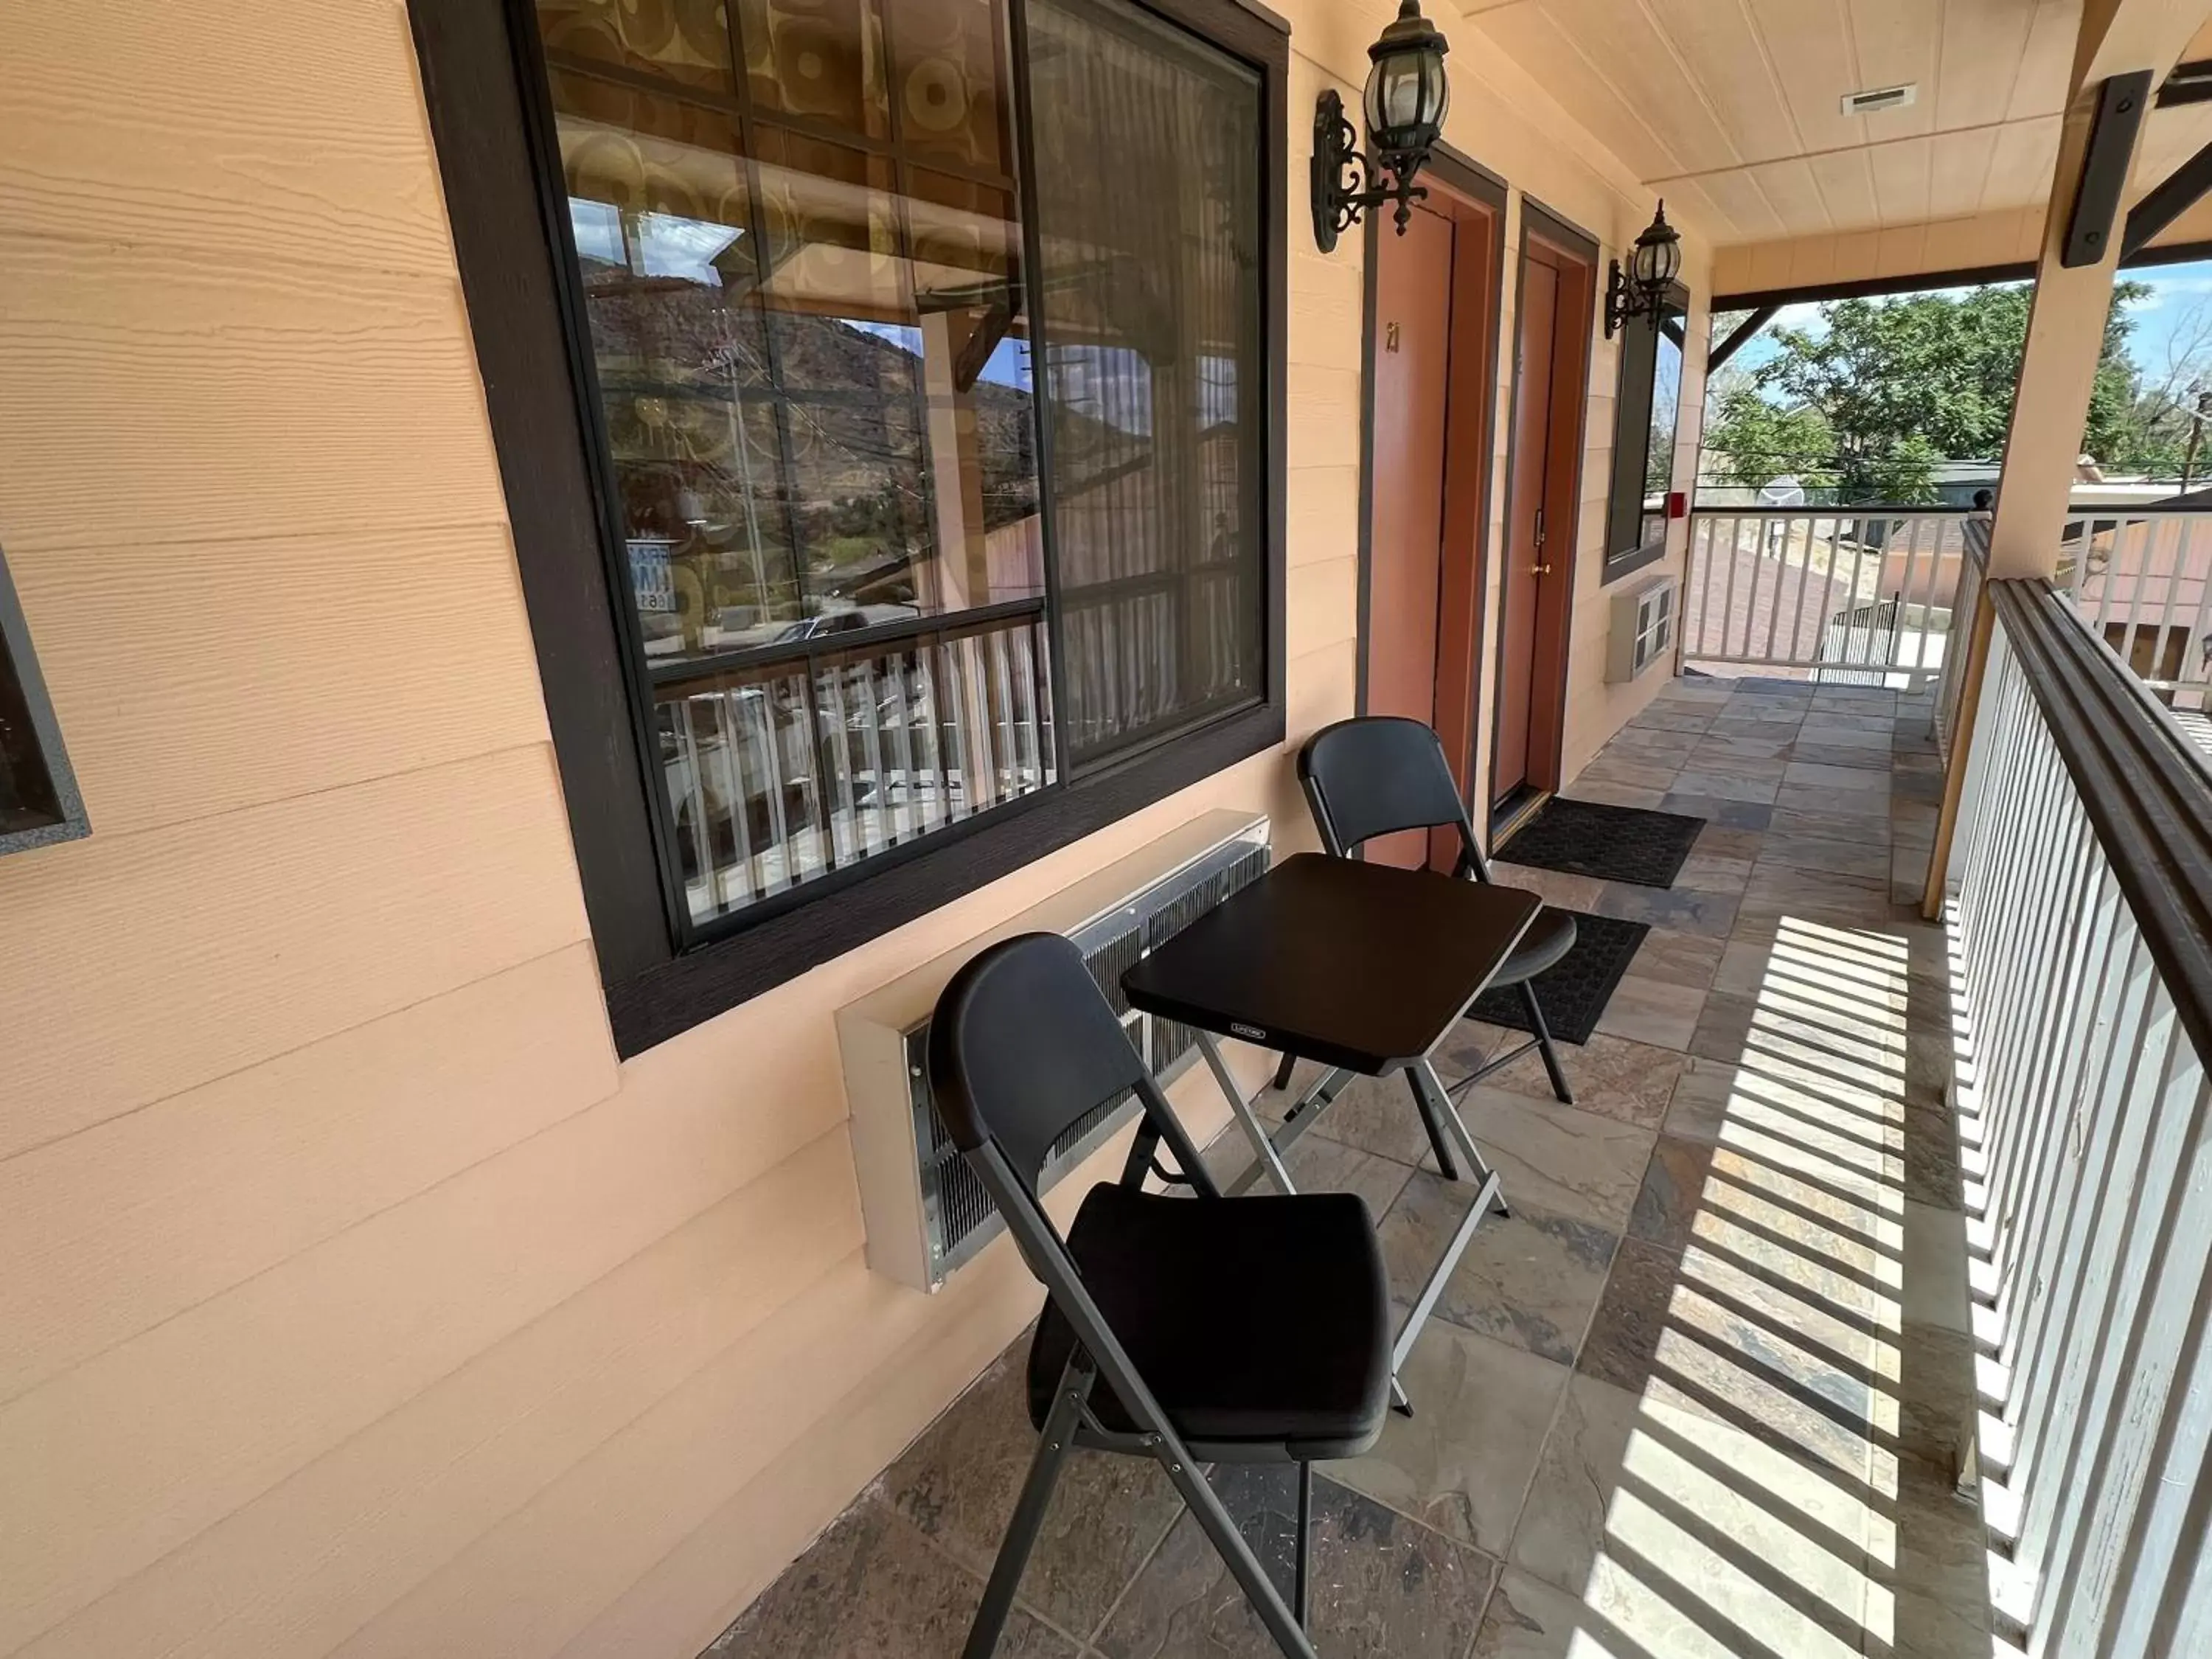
(27, 710)
(483, 83)
(1626, 549)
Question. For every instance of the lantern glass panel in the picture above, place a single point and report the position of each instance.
(1405, 96)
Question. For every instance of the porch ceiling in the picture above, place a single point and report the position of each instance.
(1731, 108)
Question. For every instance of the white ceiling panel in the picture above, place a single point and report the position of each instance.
(1733, 107)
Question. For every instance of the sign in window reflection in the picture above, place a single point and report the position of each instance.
(812, 361)
(797, 241)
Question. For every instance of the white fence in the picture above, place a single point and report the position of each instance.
(2143, 581)
(1850, 596)
(2078, 908)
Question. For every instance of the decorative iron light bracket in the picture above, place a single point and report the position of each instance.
(1622, 301)
(1641, 290)
(1347, 182)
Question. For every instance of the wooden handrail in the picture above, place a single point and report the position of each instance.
(2146, 788)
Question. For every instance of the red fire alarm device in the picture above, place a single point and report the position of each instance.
(1678, 504)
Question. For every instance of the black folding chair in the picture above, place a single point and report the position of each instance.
(1253, 1330)
(1380, 773)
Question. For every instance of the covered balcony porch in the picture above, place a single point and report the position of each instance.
(437, 1199)
(1710, 1390)
(1857, 1305)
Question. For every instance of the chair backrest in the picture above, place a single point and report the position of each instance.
(1379, 774)
(1023, 1043)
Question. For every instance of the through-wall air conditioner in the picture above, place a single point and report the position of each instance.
(924, 1212)
(1642, 634)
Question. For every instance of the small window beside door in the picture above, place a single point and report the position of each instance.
(1646, 415)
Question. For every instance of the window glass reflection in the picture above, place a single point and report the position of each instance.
(1666, 409)
(1154, 327)
(798, 248)
(806, 312)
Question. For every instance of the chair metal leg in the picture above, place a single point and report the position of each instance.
(1056, 1439)
(1304, 1581)
(1048, 1257)
(1287, 1628)
(1544, 1044)
(1446, 1165)
(1424, 1081)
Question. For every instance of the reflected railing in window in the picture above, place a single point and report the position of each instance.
(784, 770)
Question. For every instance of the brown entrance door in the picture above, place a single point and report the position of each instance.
(1550, 340)
(1525, 528)
(1434, 355)
(1412, 328)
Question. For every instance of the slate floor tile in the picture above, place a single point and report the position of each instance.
(871, 1586)
(1462, 1462)
(1530, 1280)
(1383, 1587)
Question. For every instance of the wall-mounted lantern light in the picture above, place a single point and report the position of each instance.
(1653, 263)
(1405, 99)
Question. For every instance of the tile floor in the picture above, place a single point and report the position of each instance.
(1703, 1392)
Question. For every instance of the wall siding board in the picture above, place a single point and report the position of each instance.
(352, 1297)
(138, 1448)
(304, 1565)
(104, 1230)
(237, 938)
(144, 390)
(301, 630)
(289, 128)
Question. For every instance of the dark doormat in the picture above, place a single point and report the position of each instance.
(1574, 990)
(1612, 843)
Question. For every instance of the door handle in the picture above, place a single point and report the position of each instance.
(1540, 570)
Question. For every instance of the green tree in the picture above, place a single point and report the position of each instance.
(1752, 441)
(1902, 384)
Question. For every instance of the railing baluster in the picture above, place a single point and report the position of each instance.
(1804, 575)
(906, 822)
(874, 827)
(1905, 592)
(1727, 598)
(2091, 1108)
(729, 747)
(1751, 596)
(2157, 676)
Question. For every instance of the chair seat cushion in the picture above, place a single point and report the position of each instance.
(1259, 1318)
(1550, 937)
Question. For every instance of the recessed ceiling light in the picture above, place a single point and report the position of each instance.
(1880, 98)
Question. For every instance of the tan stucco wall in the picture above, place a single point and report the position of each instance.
(353, 1297)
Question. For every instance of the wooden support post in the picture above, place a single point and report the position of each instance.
(2058, 365)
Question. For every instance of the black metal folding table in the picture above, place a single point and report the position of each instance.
(1363, 967)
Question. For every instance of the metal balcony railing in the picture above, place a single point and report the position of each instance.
(781, 771)
(2144, 582)
(2080, 904)
(1854, 596)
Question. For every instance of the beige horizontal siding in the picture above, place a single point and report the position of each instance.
(150, 1441)
(207, 394)
(138, 965)
(352, 1297)
(1323, 503)
(299, 635)
(304, 1563)
(107, 1233)
(277, 130)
